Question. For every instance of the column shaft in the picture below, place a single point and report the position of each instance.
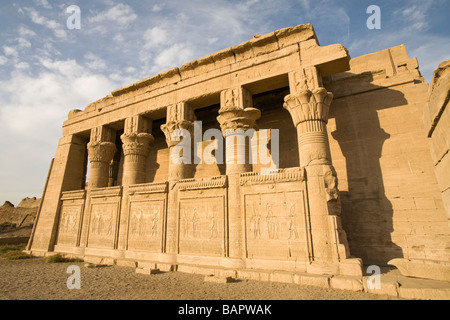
(179, 134)
(236, 117)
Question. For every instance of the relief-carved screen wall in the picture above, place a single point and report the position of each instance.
(202, 218)
(72, 207)
(103, 214)
(147, 217)
(276, 216)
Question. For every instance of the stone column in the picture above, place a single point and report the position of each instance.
(101, 150)
(136, 141)
(309, 106)
(136, 147)
(236, 117)
(180, 119)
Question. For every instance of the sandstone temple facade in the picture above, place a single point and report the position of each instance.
(355, 182)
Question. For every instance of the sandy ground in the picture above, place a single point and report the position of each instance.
(33, 279)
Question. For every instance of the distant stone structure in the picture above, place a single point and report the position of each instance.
(21, 216)
(16, 222)
(356, 119)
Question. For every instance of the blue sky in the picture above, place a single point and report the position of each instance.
(46, 69)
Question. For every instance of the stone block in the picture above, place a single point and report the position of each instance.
(325, 268)
(388, 287)
(427, 269)
(218, 279)
(320, 281)
(351, 267)
(283, 277)
(424, 293)
(147, 271)
(346, 283)
(126, 263)
(164, 267)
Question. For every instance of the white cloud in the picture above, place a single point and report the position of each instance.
(53, 25)
(157, 8)
(94, 62)
(9, 51)
(176, 55)
(43, 3)
(22, 65)
(33, 110)
(120, 15)
(415, 15)
(25, 32)
(23, 43)
(155, 37)
(3, 60)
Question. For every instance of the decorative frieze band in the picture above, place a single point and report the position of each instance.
(73, 195)
(161, 187)
(106, 192)
(281, 175)
(204, 183)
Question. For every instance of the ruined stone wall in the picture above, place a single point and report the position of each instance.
(437, 124)
(391, 202)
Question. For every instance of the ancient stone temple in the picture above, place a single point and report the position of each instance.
(127, 187)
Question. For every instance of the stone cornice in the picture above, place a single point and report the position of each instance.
(160, 187)
(204, 183)
(281, 175)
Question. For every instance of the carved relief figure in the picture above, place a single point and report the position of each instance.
(271, 222)
(155, 220)
(184, 222)
(293, 234)
(68, 222)
(256, 219)
(213, 215)
(195, 221)
(101, 224)
(135, 222)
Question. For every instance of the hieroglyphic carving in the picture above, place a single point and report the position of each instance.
(201, 226)
(275, 226)
(101, 221)
(69, 219)
(102, 225)
(145, 225)
(69, 225)
(145, 219)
